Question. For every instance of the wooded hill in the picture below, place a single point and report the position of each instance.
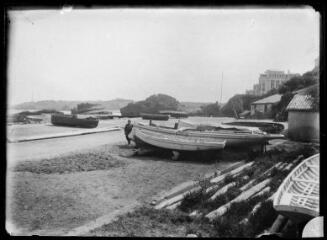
(68, 105)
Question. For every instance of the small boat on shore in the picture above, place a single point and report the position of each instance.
(177, 142)
(232, 135)
(175, 114)
(152, 116)
(298, 196)
(73, 121)
(268, 127)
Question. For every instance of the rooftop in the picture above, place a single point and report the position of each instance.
(271, 99)
(301, 103)
(305, 91)
(274, 71)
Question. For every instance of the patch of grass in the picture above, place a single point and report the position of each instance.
(192, 200)
(228, 179)
(209, 206)
(146, 221)
(72, 163)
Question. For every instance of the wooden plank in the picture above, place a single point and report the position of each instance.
(243, 196)
(262, 192)
(222, 190)
(175, 199)
(246, 186)
(237, 170)
(174, 206)
(278, 224)
(187, 186)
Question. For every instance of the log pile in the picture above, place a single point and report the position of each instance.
(259, 187)
(174, 196)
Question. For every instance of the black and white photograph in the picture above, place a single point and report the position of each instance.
(163, 122)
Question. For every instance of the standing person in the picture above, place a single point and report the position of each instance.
(128, 129)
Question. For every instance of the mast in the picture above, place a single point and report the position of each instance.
(221, 86)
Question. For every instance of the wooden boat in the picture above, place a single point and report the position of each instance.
(74, 121)
(233, 136)
(175, 114)
(160, 117)
(269, 127)
(298, 195)
(177, 142)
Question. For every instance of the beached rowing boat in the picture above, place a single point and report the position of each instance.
(73, 121)
(233, 136)
(268, 127)
(298, 195)
(178, 142)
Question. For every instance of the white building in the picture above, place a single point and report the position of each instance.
(271, 79)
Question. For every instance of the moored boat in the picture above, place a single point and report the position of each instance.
(174, 114)
(73, 121)
(233, 136)
(150, 116)
(177, 142)
(298, 196)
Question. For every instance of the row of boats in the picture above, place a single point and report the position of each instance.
(298, 196)
(199, 138)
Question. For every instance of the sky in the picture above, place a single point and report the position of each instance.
(190, 54)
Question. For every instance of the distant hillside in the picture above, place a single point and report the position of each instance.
(60, 105)
(68, 105)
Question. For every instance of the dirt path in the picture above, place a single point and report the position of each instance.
(53, 204)
(48, 148)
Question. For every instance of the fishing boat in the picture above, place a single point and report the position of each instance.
(174, 114)
(177, 142)
(73, 121)
(268, 127)
(298, 196)
(233, 136)
(152, 116)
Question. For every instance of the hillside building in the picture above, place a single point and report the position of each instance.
(264, 106)
(271, 79)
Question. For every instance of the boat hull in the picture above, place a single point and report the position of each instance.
(70, 121)
(236, 138)
(298, 196)
(269, 127)
(158, 117)
(178, 142)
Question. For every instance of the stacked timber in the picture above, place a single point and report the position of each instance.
(259, 189)
(177, 194)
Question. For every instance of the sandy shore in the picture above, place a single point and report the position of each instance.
(44, 200)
